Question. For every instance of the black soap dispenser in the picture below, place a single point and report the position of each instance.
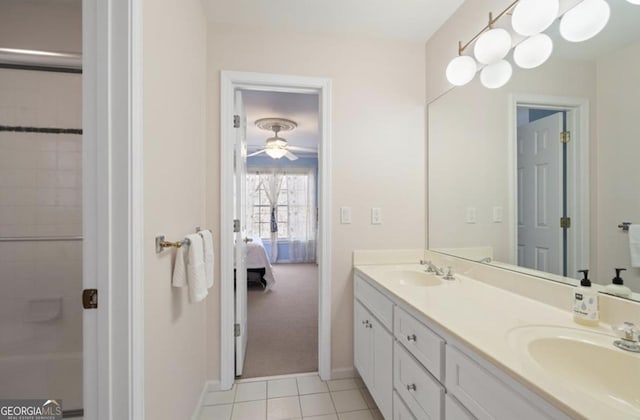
(617, 286)
(585, 302)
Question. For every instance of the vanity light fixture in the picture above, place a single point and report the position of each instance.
(529, 18)
(634, 1)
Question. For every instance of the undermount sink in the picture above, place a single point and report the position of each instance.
(413, 278)
(582, 359)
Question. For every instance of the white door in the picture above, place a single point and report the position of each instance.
(540, 190)
(240, 181)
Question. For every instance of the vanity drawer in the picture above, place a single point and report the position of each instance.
(422, 393)
(453, 410)
(424, 344)
(376, 302)
(400, 409)
(483, 394)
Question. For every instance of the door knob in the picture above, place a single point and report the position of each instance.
(247, 240)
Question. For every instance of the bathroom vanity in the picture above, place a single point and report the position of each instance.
(429, 348)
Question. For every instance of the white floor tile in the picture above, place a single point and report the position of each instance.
(350, 400)
(325, 417)
(216, 412)
(316, 404)
(311, 385)
(342, 384)
(250, 410)
(360, 383)
(220, 397)
(282, 388)
(356, 415)
(251, 391)
(368, 398)
(283, 408)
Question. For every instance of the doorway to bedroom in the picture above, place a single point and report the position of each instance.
(281, 221)
(280, 152)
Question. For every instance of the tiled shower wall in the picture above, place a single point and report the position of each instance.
(41, 195)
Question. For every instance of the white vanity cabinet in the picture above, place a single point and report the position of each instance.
(417, 372)
(373, 346)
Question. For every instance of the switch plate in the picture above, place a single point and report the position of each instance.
(376, 216)
(497, 214)
(471, 215)
(345, 215)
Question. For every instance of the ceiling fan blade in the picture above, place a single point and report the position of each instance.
(256, 153)
(291, 156)
(302, 149)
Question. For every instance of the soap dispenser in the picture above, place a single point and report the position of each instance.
(585, 302)
(617, 286)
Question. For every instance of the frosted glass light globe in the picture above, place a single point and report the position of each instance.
(634, 1)
(533, 52)
(585, 21)
(461, 70)
(492, 46)
(531, 17)
(496, 75)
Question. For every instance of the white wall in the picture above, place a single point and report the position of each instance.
(174, 84)
(378, 109)
(618, 152)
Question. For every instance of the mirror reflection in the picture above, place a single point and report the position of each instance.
(540, 175)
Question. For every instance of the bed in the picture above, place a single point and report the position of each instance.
(258, 261)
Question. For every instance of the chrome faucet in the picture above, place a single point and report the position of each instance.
(432, 268)
(630, 335)
(449, 275)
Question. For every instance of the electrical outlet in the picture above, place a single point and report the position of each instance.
(345, 215)
(376, 216)
(497, 214)
(471, 215)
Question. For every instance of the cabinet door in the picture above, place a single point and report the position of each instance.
(382, 367)
(362, 349)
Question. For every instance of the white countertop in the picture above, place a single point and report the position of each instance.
(482, 316)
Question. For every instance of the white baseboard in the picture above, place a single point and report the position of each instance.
(209, 386)
(344, 373)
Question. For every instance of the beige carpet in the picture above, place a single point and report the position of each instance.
(283, 323)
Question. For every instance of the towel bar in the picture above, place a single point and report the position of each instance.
(162, 243)
(624, 226)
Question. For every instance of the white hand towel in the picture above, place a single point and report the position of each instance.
(634, 245)
(207, 241)
(180, 268)
(195, 269)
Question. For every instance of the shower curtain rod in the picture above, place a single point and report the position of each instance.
(21, 59)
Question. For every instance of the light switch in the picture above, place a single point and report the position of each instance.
(497, 214)
(376, 216)
(471, 215)
(345, 215)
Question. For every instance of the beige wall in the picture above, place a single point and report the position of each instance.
(41, 25)
(618, 153)
(174, 83)
(378, 106)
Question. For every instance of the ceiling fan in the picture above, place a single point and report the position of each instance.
(277, 147)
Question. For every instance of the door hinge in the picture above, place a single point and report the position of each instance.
(236, 121)
(565, 137)
(565, 222)
(236, 225)
(90, 298)
(236, 330)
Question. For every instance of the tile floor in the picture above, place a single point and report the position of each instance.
(292, 398)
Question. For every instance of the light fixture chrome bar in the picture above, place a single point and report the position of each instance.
(492, 21)
(40, 60)
(40, 238)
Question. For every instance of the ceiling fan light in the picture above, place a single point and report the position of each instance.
(585, 21)
(492, 46)
(533, 52)
(531, 17)
(461, 70)
(276, 152)
(496, 75)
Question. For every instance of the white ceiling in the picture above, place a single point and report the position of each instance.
(299, 107)
(401, 19)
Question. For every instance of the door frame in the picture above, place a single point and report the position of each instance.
(229, 81)
(113, 334)
(578, 160)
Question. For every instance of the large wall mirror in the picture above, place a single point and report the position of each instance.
(509, 187)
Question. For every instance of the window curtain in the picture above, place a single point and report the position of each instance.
(301, 190)
(272, 183)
